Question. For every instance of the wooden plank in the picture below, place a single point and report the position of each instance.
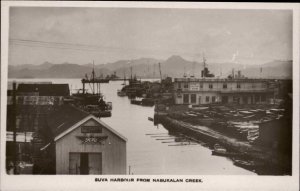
(113, 151)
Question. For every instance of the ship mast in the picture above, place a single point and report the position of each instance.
(93, 75)
(160, 71)
(124, 78)
(204, 65)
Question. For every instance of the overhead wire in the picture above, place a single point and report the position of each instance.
(79, 47)
(59, 45)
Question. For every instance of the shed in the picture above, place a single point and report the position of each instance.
(86, 145)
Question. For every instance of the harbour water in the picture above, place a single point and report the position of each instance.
(150, 149)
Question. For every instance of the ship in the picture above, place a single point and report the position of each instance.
(94, 102)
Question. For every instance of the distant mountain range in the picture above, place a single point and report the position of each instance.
(174, 66)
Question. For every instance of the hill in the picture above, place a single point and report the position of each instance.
(174, 66)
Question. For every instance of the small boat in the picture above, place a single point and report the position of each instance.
(121, 93)
(249, 165)
(148, 102)
(219, 150)
(136, 101)
(103, 114)
(150, 119)
(131, 94)
(98, 111)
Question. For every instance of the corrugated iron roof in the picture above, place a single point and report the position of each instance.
(45, 89)
(64, 117)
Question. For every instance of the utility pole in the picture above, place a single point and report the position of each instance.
(204, 66)
(93, 73)
(160, 71)
(260, 72)
(193, 74)
(124, 78)
(14, 116)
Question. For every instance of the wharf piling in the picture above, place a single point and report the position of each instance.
(211, 137)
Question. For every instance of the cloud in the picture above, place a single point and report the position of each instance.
(152, 33)
(234, 57)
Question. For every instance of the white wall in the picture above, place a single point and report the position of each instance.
(114, 154)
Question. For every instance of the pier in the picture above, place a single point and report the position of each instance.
(268, 162)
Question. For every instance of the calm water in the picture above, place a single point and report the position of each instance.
(147, 155)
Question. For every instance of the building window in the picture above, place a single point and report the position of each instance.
(179, 85)
(20, 100)
(185, 98)
(199, 99)
(210, 86)
(224, 86)
(263, 98)
(256, 98)
(245, 100)
(213, 99)
(238, 85)
(193, 98)
(201, 85)
(186, 85)
(234, 98)
(224, 99)
(207, 98)
(18, 122)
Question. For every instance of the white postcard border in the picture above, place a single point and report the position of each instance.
(211, 182)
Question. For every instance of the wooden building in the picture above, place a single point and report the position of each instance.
(34, 102)
(86, 145)
(216, 90)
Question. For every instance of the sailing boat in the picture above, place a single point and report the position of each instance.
(93, 102)
(120, 92)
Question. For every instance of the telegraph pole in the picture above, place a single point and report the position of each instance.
(204, 66)
(93, 73)
(14, 115)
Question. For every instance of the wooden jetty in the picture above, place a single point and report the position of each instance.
(208, 135)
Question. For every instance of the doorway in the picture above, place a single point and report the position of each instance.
(186, 98)
(224, 99)
(85, 163)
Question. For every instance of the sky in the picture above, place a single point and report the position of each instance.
(80, 35)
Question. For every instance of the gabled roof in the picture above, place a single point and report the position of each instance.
(67, 118)
(45, 89)
(64, 117)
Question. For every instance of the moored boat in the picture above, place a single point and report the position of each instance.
(148, 102)
(121, 93)
(219, 150)
(249, 165)
(93, 102)
(136, 101)
(97, 111)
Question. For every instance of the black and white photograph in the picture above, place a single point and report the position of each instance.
(150, 92)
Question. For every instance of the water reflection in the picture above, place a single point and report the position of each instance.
(151, 149)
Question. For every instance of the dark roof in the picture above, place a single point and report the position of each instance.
(9, 92)
(45, 89)
(64, 117)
